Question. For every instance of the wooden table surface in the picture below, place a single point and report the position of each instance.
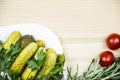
(81, 25)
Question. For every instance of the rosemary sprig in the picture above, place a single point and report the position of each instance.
(75, 76)
(96, 72)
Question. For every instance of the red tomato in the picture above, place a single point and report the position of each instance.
(113, 41)
(106, 58)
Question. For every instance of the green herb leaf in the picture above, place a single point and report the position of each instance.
(57, 72)
(1, 45)
(7, 56)
(33, 65)
(41, 57)
(61, 58)
(37, 63)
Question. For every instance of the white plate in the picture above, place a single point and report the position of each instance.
(38, 31)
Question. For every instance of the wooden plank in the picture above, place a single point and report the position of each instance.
(82, 25)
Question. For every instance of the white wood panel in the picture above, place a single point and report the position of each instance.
(79, 24)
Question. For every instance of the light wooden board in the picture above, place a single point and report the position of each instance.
(81, 25)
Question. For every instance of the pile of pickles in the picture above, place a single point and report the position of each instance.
(34, 61)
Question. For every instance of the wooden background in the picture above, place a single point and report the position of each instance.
(81, 25)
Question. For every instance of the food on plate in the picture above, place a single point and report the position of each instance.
(40, 43)
(24, 58)
(113, 41)
(26, 39)
(7, 56)
(13, 38)
(51, 57)
(30, 71)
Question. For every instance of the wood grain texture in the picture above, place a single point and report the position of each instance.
(79, 24)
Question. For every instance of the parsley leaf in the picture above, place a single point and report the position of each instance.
(37, 63)
(57, 72)
(7, 57)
